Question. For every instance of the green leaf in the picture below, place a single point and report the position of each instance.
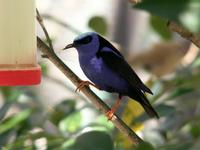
(186, 12)
(11, 93)
(98, 24)
(169, 9)
(180, 91)
(102, 120)
(195, 130)
(72, 123)
(159, 25)
(164, 110)
(44, 69)
(93, 140)
(62, 110)
(144, 146)
(14, 120)
(3, 110)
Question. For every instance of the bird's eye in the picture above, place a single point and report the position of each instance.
(85, 40)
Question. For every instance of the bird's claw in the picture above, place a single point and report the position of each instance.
(84, 83)
(110, 114)
(80, 86)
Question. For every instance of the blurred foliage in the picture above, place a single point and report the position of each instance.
(185, 12)
(98, 24)
(97, 140)
(144, 146)
(26, 123)
(159, 25)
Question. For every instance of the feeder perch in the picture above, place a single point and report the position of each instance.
(18, 62)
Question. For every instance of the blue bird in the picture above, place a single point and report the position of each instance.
(105, 66)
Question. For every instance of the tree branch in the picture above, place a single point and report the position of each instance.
(40, 20)
(50, 54)
(184, 33)
(87, 92)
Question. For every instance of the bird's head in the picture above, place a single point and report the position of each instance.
(85, 43)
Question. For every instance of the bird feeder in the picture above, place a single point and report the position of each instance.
(18, 63)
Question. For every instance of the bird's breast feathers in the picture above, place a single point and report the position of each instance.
(100, 74)
(93, 68)
(96, 64)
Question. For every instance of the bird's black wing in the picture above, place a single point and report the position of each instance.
(117, 63)
(104, 43)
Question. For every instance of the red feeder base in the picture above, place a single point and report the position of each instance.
(20, 77)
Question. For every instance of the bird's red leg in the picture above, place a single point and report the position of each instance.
(111, 112)
(85, 83)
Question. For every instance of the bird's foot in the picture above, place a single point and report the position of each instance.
(111, 112)
(85, 83)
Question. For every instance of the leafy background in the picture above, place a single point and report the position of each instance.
(26, 122)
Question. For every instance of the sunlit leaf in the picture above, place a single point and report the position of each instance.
(68, 143)
(71, 123)
(12, 121)
(102, 120)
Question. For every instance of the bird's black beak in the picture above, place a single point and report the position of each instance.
(69, 46)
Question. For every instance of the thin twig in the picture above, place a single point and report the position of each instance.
(49, 52)
(184, 33)
(40, 21)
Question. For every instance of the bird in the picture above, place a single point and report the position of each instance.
(107, 70)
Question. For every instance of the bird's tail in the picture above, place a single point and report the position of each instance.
(149, 110)
(141, 98)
